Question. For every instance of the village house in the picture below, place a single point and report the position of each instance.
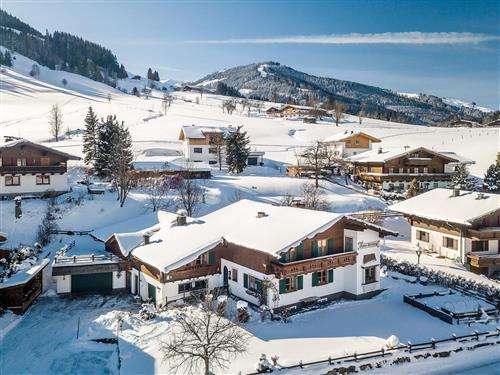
(290, 110)
(350, 143)
(264, 254)
(456, 224)
(31, 168)
(198, 144)
(395, 169)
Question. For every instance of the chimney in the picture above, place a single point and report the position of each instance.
(146, 237)
(380, 150)
(480, 195)
(261, 214)
(181, 218)
(456, 192)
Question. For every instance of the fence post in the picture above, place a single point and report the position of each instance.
(409, 346)
(355, 357)
(329, 360)
(477, 335)
(300, 364)
(78, 329)
(74, 258)
(382, 351)
(454, 337)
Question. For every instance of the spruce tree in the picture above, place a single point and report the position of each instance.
(156, 76)
(90, 137)
(237, 150)
(121, 161)
(7, 59)
(462, 179)
(107, 137)
(492, 178)
(150, 74)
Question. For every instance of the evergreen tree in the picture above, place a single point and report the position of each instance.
(107, 137)
(90, 137)
(492, 178)
(7, 59)
(150, 74)
(413, 189)
(462, 179)
(156, 76)
(237, 150)
(121, 161)
(136, 92)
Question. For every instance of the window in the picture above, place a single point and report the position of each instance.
(401, 187)
(401, 170)
(234, 275)
(422, 236)
(197, 150)
(391, 170)
(322, 249)
(211, 162)
(426, 170)
(357, 141)
(435, 185)
(370, 275)
(415, 170)
(202, 259)
(12, 180)
(391, 187)
(450, 243)
(212, 150)
(195, 285)
(254, 284)
(21, 162)
(480, 246)
(290, 284)
(43, 180)
(349, 244)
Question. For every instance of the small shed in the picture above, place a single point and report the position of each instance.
(256, 158)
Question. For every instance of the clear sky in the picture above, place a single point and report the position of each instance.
(447, 48)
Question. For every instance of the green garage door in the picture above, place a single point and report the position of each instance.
(94, 282)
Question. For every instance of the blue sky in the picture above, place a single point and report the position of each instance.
(453, 50)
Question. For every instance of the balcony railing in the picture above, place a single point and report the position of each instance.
(33, 169)
(483, 260)
(313, 264)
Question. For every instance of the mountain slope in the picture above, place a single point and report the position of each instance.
(271, 80)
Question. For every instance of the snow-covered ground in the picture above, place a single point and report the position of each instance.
(48, 332)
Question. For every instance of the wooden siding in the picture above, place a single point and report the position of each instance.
(363, 141)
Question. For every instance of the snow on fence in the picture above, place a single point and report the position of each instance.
(409, 348)
(62, 260)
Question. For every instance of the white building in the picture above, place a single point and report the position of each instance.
(349, 143)
(264, 254)
(460, 225)
(31, 168)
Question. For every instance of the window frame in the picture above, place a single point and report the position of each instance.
(43, 177)
(370, 275)
(234, 274)
(351, 242)
(12, 178)
(197, 150)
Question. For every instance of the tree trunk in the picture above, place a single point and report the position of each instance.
(207, 366)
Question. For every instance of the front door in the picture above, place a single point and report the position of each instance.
(226, 276)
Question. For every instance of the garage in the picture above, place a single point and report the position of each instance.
(252, 160)
(94, 282)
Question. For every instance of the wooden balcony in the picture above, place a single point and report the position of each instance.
(34, 169)
(392, 177)
(191, 272)
(489, 233)
(313, 265)
(486, 260)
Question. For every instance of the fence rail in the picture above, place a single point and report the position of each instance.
(85, 259)
(382, 353)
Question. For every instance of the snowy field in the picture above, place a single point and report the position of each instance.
(48, 332)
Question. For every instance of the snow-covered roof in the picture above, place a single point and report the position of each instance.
(277, 229)
(461, 159)
(22, 141)
(194, 131)
(342, 136)
(136, 224)
(24, 275)
(440, 204)
(168, 163)
(380, 155)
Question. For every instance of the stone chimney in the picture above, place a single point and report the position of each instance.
(456, 192)
(261, 214)
(380, 150)
(146, 237)
(181, 218)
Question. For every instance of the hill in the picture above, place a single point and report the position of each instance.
(280, 83)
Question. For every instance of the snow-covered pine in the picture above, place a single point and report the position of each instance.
(237, 150)
(492, 178)
(108, 134)
(462, 179)
(121, 158)
(90, 137)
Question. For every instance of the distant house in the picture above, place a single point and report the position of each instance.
(197, 147)
(31, 168)
(277, 256)
(395, 169)
(273, 111)
(460, 225)
(349, 142)
(462, 122)
(290, 110)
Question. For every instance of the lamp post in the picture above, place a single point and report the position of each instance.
(419, 252)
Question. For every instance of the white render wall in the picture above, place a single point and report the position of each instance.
(205, 156)
(441, 184)
(63, 284)
(58, 183)
(237, 288)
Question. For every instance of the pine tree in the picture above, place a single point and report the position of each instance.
(7, 59)
(150, 74)
(462, 179)
(121, 161)
(413, 189)
(107, 137)
(492, 178)
(237, 150)
(90, 137)
(156, 76)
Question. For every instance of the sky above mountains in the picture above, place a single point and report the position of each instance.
(446, 48)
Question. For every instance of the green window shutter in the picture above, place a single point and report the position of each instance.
(330, 275)
(211, 258)
(259, 285)
(330, 246)
(245, 280)
(300, 282)
(282, 286)
(300, 252)
(315, 249)
(283, 258)
(314, 279)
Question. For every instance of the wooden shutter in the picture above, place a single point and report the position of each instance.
(314, 279)
(300, 252)
(330, 246)
(315, 249)
(245, 280)
(211, 258)
(300, 282)
(282, 285)
(330, 275)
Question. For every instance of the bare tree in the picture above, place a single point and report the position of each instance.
(190, 194)
(157, 190)
(218, 143)
(166, 102)
(203, 340)
(338, 112)
(287, 200)
(314, 198)
(55, 121)
(109, 97)
(315, 158)
(229, 106)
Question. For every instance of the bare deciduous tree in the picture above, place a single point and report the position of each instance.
(338, 111)
(166, 102)
(314, 198)
(55, 121)
(218, 143)
(229, 106)
(203, 340)
(190, 194)
(157, 190)
(314, 157)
